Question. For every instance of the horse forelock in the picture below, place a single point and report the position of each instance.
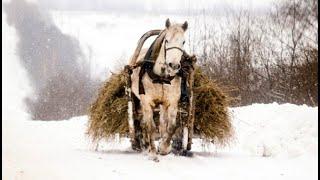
(174, 30)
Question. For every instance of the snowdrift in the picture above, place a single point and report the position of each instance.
(277, 130)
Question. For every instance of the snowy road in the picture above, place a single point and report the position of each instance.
(35, 150)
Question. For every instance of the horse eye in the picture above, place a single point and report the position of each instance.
(183, 42)
(166, 41)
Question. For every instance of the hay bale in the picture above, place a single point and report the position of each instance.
(108, 114)
(212, 120)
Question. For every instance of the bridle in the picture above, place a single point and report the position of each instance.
(165, 55)
(170, 48)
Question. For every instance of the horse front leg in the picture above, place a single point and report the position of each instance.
(149, 128)
(165, 146)
(163, 120)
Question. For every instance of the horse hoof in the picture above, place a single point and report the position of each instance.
(154, 158)
(136, 146)
(164, 149)
(164, 153)
(185, 153)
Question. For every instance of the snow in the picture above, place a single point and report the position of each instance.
(277, 130)
(61, 150)
(272, 141)
(14, 77)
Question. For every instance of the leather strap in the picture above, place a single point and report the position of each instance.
(147, 65)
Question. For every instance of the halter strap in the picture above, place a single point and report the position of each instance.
(170, 48)
(167, 49)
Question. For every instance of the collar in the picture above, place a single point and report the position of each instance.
(159, 79)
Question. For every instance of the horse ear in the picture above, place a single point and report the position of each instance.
(185, 26)
(168, 23)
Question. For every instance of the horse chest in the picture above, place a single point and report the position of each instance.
(163, 93)
(160, 93)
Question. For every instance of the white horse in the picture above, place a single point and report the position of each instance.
(167, 95)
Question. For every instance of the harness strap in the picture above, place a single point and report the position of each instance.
(147, 65)
(158, 79)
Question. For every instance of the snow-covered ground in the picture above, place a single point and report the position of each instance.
(60, 150)
(272, 141)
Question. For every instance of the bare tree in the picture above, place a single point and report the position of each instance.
(266, 58)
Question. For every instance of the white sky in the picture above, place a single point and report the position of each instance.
(153, 5)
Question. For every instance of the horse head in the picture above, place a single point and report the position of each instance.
(172, 41)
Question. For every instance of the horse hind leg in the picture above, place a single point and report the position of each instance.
(137, 143)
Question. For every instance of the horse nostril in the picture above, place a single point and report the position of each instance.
(174, 66)
(163, 69)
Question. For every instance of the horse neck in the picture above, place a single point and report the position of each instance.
(159, 61)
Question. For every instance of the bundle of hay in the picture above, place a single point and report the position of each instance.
(212, 120)
(108, 114)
